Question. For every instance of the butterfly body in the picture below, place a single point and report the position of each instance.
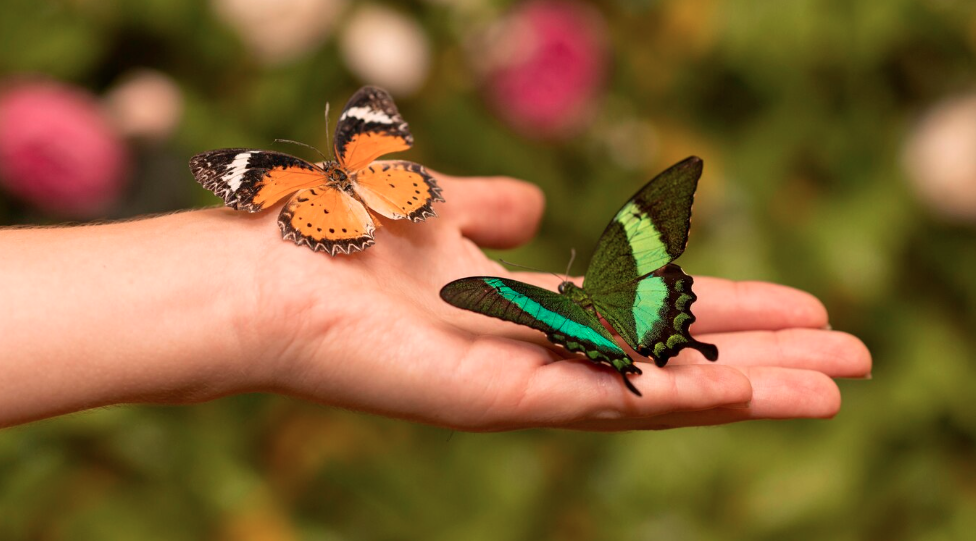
(630, 283)
(577, 295)
(330, 205)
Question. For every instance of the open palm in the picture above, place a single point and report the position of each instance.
(369, 332)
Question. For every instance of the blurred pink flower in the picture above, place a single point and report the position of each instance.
(58, 152)
(546, 64)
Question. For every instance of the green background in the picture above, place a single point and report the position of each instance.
(800, 110)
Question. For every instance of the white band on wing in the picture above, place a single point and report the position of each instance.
(237, 169)
(367, 115)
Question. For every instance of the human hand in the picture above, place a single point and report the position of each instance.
(369, 332)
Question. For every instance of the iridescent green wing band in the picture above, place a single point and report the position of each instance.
(563, 321)
(649, 231)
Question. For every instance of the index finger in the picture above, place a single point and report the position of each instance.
(494, 212)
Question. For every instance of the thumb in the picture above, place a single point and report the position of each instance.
(494, 212)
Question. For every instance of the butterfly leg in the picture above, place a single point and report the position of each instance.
(626, 366)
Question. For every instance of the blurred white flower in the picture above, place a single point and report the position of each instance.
(386, 48)
(145, 104)
(940, 158)
(280, 30)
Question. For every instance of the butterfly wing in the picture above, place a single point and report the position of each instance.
(646, 299)
(564, 322)
(397, 189)
(327, 219)
(369, 127)
(653, 315)
(253, 180)
(650, 230)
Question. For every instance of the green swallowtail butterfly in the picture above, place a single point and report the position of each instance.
(631, 282)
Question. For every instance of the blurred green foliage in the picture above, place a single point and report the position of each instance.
(800, 110)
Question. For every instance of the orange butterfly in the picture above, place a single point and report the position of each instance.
(328, 211)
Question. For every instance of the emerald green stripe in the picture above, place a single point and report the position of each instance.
(565, 325)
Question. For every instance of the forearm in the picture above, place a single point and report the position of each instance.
(141, 311)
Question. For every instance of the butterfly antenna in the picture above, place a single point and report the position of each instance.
(327, 132)
(528, 268)
(572, 257)
(302, 144)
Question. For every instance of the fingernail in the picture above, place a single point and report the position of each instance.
(864, 377)
(828, 327)
(741, 406)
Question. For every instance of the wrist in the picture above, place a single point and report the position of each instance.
(155, 310)
(212, 302)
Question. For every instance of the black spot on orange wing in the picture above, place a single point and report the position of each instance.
(398, 189)
(337, 223)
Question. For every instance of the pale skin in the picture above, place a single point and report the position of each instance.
(194, 306)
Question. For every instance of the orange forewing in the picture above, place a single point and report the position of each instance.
(283, 181)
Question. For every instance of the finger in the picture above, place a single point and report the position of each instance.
(836, 354)
(727, 305)
(777, 393)
(494, 212)
(573, 392)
